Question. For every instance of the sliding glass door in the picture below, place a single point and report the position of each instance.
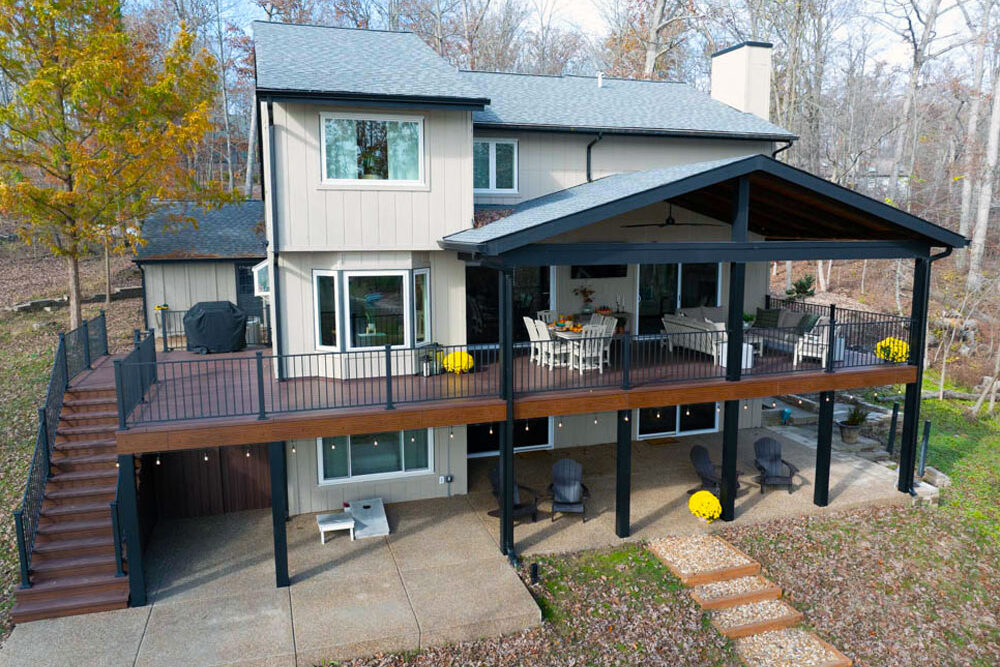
(678, 420)
(663, 288)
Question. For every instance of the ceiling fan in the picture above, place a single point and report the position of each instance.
(671, 222)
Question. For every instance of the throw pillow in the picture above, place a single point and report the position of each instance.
(807, 323)
(766, 319)
(788, 319)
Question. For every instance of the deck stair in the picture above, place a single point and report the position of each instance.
(743, 605)
(73, 559)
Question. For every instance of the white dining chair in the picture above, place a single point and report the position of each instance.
(554, 352)
(535, 351)
(547, 316)
(587, 354)
(610, 326)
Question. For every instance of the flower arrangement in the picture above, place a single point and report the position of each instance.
(892, 349)
(458, 362)
(705, 506)
(585, 292)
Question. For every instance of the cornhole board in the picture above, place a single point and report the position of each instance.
(369, 518)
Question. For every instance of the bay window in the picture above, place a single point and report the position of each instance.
(374, 455)
(494, 165)
(360, 147)
(378, 308)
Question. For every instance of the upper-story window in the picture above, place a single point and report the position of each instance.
(372, 148)
(494, 165)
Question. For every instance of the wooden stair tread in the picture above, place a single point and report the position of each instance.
(84, 475)
(86, 430)
(95, 414)
(85, 459)
(81, 508)
(70, 526)
(84, 444)
(79, 492)
(32, 609)
(73, 561)
(95, 400)
(73, 544)
(76, 582)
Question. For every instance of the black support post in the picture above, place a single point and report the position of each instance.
(824, 443)
(128, 505)
(911, 406)
(734, 352)
(507, 427)
(623, 479)
(279, 511)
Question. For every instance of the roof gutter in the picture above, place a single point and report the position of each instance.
(321, 96)
(599, 137)
(633, 131)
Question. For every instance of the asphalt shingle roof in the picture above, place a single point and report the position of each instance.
(232, 231)
(577, 199)
(317, 59)
(619, 104)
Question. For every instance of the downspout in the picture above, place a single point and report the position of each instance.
(788, 144)
(276, 287)
(600, 135)
(145, 312)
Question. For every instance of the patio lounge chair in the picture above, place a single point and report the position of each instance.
(710, 474)
(569, 494)
(774, 470)
(522, 507)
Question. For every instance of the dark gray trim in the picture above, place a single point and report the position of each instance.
(911, 406)
(145, 311)
(623, 476)
(754, 163)
(763, 45)
(633, 131)
(545, 254)
(361, 99)
(824, 440)
(276, 282)
(173, 260)
(279, 511)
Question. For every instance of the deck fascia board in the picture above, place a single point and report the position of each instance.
(198, 434)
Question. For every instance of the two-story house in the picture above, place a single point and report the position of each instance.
(463, 265)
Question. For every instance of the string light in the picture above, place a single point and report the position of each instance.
(626, 416)
(376, 442)
(117, 464)
(526, 427)
(560, 422)
(333, 445)
(491, 429)
(413, 439)
(293, 449)
(657, 414)
(206, 457)
(687, 412)
(248, 452)
(157, 459)
(451, 432)
(595, 419)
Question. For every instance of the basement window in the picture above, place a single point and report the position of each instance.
(494, 165)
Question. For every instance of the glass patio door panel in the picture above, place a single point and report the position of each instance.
(484, 439)
(658, 421)
(699, 285)
(657, 295)
(532, 292)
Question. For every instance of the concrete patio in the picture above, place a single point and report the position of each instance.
(437, 578)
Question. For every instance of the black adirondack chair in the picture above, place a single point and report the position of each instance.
(774, 470)
(522, 505)
(569, 493)
(710, 474)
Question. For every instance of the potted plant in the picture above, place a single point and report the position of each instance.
(852, 424)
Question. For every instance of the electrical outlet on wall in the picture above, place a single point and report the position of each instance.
(441, 479)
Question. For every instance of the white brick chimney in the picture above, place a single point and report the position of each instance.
(741, 77)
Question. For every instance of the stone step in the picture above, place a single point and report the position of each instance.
(755, 617)
(733, 592)
(792, 646)
(703, 559)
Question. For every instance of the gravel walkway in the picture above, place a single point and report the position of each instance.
(752, 612)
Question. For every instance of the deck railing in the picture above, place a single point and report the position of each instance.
(157, 391)
(135, 374)
(75, 352)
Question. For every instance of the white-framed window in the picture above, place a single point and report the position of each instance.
(377, 308)
(326, 297)
(371, 148)
(421, 306)
(261, 279)
(677, 420)
(494, 165)
(372, 456)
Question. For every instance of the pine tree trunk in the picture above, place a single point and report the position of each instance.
(75, 312)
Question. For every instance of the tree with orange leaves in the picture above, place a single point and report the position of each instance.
(98, 129)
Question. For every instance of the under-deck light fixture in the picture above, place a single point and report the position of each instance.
(157, 459)
(293, 449)
(560, 423)
(206, 456)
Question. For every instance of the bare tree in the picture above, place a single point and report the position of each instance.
(986, 186)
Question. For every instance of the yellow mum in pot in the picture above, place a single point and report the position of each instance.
(458, 362)
(892, 349)
(704, 505)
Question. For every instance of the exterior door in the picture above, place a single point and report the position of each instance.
(245, 299)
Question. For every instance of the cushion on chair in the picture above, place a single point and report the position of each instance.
(767, 319)
(807, 323)
(788, 318)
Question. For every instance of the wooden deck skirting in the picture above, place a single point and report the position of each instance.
(200, 433)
